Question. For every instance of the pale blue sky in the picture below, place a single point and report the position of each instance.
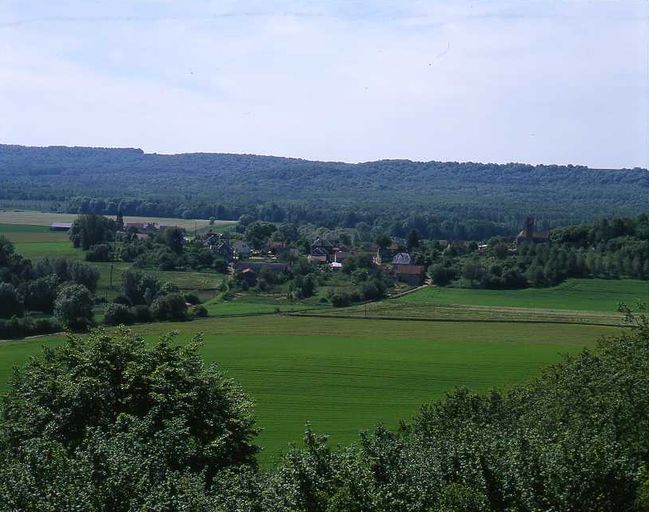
(552, 81)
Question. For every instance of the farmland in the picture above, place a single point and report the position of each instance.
(31, 218)
(575, 294)
(345, 374)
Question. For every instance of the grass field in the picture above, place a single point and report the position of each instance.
(344, 375)
(575, 294)
(46, 219)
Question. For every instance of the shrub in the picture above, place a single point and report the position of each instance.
(10, 302)
(122, 299)
(199, 311)
(116, 314)
(99, 252)
(17, 327)
(142, 313)
(170, 307)
(192, 298)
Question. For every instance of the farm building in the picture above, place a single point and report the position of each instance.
(60, 226)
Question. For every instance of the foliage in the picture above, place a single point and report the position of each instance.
(91, 229)
(10, 302)
(73, 307)
(68, 271)
(107, 423)
(140, 287)
(17, 327)
(440, 200)
(116, 314)
(170, 307)
(99, 252)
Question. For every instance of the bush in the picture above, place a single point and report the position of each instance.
(20, 327)
(10, 302)
(341, 300)
(199, 311)
(99, 252)
(116, 314)
(192, 298)
(122, 299)
(142, 313)
(40, 293)
(170, 307)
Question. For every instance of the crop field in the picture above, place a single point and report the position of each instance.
(575, 294)
(46, 219)
(343, 375)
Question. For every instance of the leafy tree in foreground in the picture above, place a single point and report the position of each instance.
(107, 422)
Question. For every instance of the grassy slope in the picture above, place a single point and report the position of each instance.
(344, 375)
(575, 294)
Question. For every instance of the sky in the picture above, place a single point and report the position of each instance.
(536, 81)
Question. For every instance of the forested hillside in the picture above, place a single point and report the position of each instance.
(439, 199)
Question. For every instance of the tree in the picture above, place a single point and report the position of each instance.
(136, 283)
(90, 229)
(107, 422)
(170, 307)
(175, 239)
(40, 293)
(383, 241)
(413, 239)
(10, 302)
(73, 307)
(257, 233)
(116, 314)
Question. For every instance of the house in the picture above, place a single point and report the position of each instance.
(60, 226)
(318, 258)
(224, 249)
(321, 251)
(383, 256)
(529, 234)
(412, 274)
(241, 249)
(401, 258)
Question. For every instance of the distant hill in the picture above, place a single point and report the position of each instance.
(386, 191)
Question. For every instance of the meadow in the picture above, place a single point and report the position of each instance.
(575, 294)
(343, 375)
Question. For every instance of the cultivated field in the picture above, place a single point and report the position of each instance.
(46, 219)
(575, 294)
(346, 374)
(580, 301)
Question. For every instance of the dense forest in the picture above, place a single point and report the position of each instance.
(108, 422)
(441, 200)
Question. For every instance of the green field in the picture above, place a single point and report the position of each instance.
(344, 375)
(575, 294)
